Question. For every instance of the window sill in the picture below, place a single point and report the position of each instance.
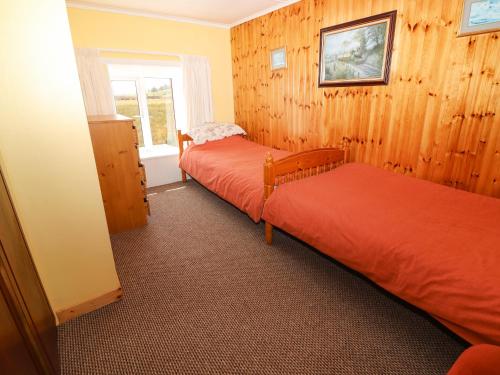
(158, 151)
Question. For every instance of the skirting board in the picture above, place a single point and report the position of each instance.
(89, 306)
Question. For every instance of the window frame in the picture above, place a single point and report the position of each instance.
(139, 70)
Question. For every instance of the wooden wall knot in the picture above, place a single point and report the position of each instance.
(427, 159)
(346, 139)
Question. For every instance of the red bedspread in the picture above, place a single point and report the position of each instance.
(233, 168)
(435, 247)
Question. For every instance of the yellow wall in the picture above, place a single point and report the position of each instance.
(95, 29)
(46, 154)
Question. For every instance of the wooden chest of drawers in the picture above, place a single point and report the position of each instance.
(121, 175)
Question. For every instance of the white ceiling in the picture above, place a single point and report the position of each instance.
(224, 13)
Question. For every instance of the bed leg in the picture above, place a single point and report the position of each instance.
(269, 233)
(183, 173)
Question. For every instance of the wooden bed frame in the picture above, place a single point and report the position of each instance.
(182, 138)
(295, 167)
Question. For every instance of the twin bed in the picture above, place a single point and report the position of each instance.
(435, 247)
(231, 168)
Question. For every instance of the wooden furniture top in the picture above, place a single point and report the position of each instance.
(107, 118)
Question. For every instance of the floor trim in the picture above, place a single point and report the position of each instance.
(89, 306)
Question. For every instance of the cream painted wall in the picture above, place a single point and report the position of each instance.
(46, 154)
(95, 29)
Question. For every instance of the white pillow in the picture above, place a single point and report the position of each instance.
(212, 131)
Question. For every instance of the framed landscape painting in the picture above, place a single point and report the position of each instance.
(480, 16)
(357, 53)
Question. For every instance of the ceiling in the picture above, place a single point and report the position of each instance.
(223, 13)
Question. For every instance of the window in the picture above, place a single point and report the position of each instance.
(152, 96)
(127, 103)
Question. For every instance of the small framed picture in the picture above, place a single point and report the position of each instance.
(278, 58)
(357, 53)
(480, 16)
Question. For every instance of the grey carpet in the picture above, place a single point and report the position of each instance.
(204, 294)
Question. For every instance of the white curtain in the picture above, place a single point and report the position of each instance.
(197, 78)
(95, 83)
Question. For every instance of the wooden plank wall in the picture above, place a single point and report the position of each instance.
(438, 119)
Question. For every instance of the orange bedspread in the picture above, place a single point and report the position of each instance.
(435, 247)
(233, 168)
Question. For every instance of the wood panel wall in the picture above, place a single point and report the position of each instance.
(438, 119)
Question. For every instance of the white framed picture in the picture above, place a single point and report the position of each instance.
(480, 16)
(278, 58)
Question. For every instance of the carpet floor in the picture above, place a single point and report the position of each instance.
(204, 294)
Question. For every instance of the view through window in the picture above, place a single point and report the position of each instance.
(147, 94)
(127, 103)
(160, 100)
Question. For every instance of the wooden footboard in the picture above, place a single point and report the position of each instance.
(181, 139)
(295, 167)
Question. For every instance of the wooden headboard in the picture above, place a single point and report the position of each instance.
(301, 165)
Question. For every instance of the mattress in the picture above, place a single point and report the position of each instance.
(433, 246)
(233, 168)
